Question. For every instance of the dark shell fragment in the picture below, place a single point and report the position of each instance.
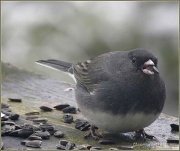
(61, 106)
(46, 127)
(170, 140)
(43, 135)
(25, 133)
(45, 108)
(23, 142)
(6, 129)
(7, 123)
(4, 118)
(14, 133)
(40, 120)
(34, 143)
(81, 147)
(30, 126)
(63, 142)
(81, 124)
(70, 109)
(15, 100)
(65, 145)
(14, 116)
(106, 142)
(31, 117)
(34, 137)
(174, 127)
(59, 134)
(69, 146)
(95, 148)
(32, 113)
(67, 118)
(61, 147)
(113, 149)
(125, 148)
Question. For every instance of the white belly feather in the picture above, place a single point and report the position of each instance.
(120, 123)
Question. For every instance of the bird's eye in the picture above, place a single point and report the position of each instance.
(133, 60)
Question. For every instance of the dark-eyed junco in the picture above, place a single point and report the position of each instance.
(119, 91)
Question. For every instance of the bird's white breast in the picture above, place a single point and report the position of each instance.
(120, 123)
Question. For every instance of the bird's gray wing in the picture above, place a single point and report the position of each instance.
(92, 72)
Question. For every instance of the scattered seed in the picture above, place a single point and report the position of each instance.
(45, 108)
(31, 117)
(32, 113)
(113, 149)
(14, 133)
(25, 133)
(40, 120)
(30, 126)
(69, 146)
(106, 142)
(95, 148)
(82, 147)
(34, 143)
(46, 127)
(174, 127)
(23, 142)
(52, 132)
(34, 137)
(69, 109)
(59, 134)
(15, 100)
(7, 123)
(4, 117)
(67, 118)
(43, 135)
(61, 147)
(17, 127)
(81, 124)
(61, 106)
(14, 116)
(63, 142)
(6, 112)
(176, 141)
(6, 129)
(125, 148)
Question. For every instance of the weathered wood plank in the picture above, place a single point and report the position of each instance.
(36, 90)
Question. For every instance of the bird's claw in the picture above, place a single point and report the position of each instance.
(93, 134)
(144, 135)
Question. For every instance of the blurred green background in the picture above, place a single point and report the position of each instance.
(76, 31)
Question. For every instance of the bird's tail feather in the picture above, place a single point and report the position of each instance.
(56, 64)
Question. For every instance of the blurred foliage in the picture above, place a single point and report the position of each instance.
(76, 31)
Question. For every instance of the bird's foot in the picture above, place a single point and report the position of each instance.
(92, 133)
(144, 135)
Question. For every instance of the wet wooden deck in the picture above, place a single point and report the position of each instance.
(36, 90)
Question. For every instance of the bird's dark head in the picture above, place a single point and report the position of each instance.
(144, 60)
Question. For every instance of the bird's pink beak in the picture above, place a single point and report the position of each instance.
(149, 67)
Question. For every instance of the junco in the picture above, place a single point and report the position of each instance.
(119, 91)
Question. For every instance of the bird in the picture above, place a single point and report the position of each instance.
(118, 91)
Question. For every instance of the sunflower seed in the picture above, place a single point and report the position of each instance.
(45, 108)
(15, 100)
(69, 109)
(67, 118)
(61, 106)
